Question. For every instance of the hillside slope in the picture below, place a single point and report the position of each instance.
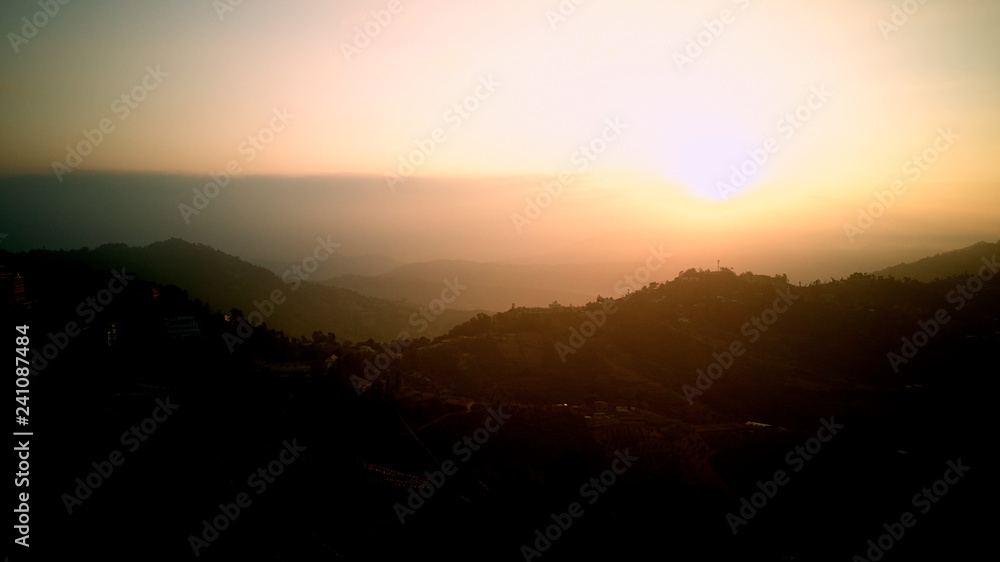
(965, 261)
(226, 282)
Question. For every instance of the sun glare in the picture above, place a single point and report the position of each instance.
(703, 164)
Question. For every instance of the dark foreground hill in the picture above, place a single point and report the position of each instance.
(814, 343)
(715, 378)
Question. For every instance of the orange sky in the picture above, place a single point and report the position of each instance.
(839, 95)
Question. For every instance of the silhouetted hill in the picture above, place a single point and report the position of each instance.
(805, 354)
(965, 261)
(226, 282)
(830, 346)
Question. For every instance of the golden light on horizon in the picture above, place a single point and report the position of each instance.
(717, 125)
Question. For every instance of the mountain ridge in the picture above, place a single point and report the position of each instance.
(965, 260)
(228, 282)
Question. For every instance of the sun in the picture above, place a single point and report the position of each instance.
(704, 164)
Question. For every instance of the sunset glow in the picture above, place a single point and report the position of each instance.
(726, 114)
(501, 280)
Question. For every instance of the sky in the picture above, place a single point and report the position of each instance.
(739, 119)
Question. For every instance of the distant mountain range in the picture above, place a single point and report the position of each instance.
(226, 282)
(272, 220)
(384, 303)
(495, 286)
(965, 261)
(339, 265)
